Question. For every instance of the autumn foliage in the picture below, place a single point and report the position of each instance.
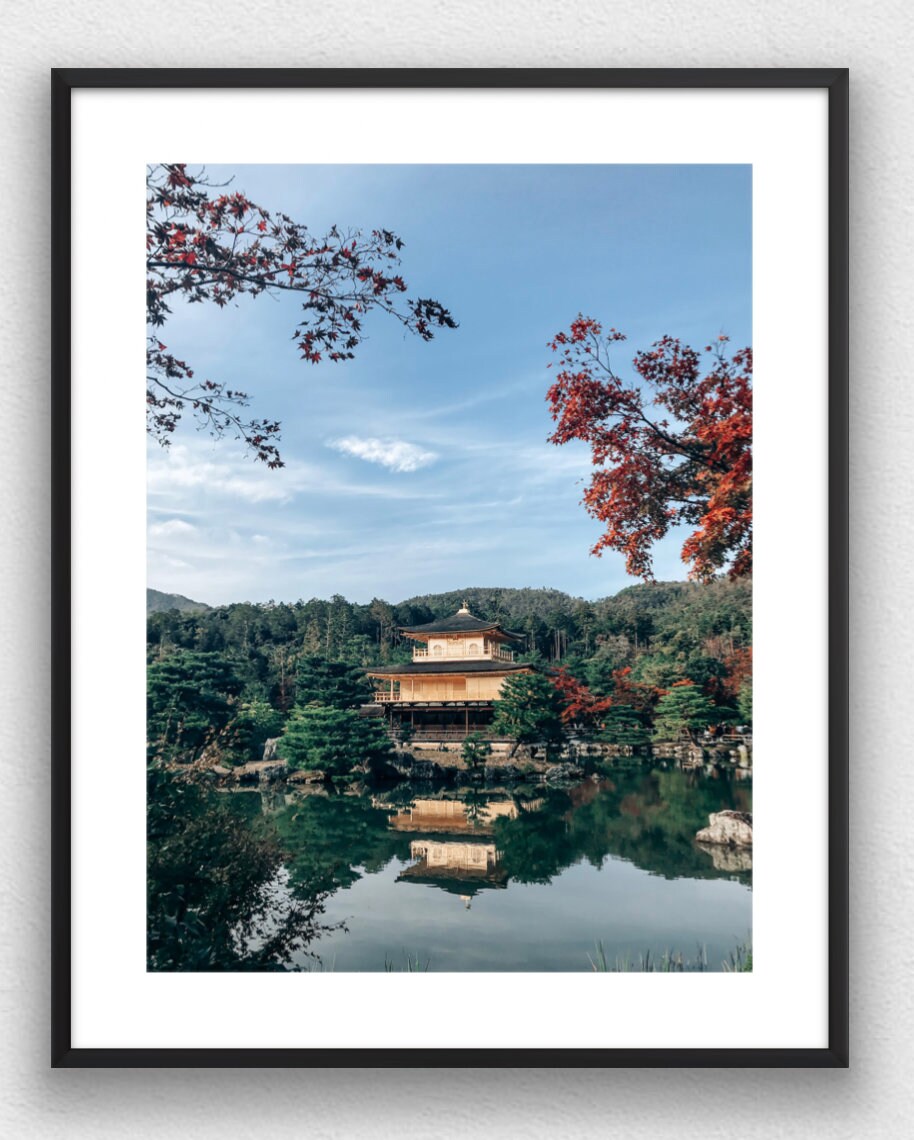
(581, 707)
(736, 673)
(672, 448)
(635, 694)
(207, 244)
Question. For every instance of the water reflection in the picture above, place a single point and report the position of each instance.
(729, 859)
(646, 817)
(219, 897)
(521, 859)
(468, 811)
(461, 868)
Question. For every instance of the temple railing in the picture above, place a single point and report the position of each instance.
(400, 697)
(491, 653)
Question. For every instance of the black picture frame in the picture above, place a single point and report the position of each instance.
(836, 82)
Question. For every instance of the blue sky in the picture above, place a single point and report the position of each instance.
(424, 467)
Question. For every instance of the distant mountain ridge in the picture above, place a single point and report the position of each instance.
(515, 607)
(664, 631)
(499, 603)
(493, 601)
(158, 602)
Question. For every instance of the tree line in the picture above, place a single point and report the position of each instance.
(665, 631)
(654, 658)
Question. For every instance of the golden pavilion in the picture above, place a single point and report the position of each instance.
(453, 682)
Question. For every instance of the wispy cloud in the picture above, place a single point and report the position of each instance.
(183, 468)
(394, 454)
(171, 527)
(529, 383)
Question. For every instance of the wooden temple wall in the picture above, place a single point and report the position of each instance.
(449, 689)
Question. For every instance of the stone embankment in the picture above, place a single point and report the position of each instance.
(411, 764)
(443, 761)
(445, 766)
(692, 755)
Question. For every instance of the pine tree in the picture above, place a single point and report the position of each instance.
(622, 725)
(475, 750)
(190, 697)
(530, 710)
(255, 723)
(332, 740)
(685, 707)
(330, 683)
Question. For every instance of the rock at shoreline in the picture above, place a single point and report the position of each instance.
(269, 748)
(272, 773)
(728, 828)
(412, 768)
(561, 772)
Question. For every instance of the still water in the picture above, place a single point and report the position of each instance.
(516, 879)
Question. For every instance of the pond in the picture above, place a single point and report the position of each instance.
(514, 878)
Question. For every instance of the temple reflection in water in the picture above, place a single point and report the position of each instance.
(461, 866)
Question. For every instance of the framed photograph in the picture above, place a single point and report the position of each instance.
(420, 616)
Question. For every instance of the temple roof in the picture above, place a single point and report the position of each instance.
(454, 884)
(461, 622)
(433, 667)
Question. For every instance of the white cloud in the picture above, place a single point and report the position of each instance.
(171, 527)
(395, 454)
(158, 561)
(189, 475)
(182, 468)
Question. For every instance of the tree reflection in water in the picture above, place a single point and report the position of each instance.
(240, 882)
(218, 895)
(648, 818)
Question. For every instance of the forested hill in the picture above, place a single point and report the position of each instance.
(497, 603)
(723, 605)
(159, 603)
(663, 631)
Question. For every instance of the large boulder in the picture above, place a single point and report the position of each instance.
(728, 828)
(269, 748)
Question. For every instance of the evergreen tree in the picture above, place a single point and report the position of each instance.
(529, 710)
(744, 701)
(685, 707)
(622, 725)
(190, 698)
(255, 723)
(475, 750)
(330, 683)
(332, 740)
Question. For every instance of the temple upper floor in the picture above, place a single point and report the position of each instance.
(461, 637)
(460, 647)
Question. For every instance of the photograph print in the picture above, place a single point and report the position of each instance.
(449, 606)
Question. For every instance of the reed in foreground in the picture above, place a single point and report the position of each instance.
(739, 960)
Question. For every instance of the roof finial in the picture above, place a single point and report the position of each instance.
(464, 609)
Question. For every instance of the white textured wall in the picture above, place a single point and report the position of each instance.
(874, 1098)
